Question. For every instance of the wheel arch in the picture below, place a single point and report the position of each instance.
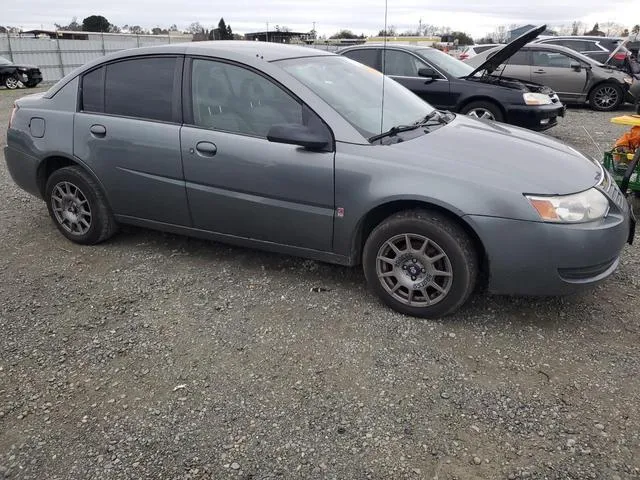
(54, 162)
(605, 81)
(481, 98)
(381, 212)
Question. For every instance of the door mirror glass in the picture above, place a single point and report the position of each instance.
(296, 134)
(577, 66)
(427, 72)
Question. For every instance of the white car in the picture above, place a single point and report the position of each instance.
(473, 50)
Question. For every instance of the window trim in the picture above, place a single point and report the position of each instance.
(187, 97)
(444, 78)
(565, 54)
(176, 109)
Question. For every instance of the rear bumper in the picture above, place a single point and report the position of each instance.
(23, 169)
(534, 258)
(537, 118)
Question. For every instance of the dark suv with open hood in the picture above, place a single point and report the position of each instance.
(450, 84)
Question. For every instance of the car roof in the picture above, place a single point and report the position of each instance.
(386, 45)
(559, 49)
(580, 37)
(239, 50)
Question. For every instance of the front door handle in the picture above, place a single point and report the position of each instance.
(98, 130)
(540, 71)
(207, 149)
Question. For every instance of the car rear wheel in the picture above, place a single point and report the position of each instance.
(606, 97)
(78, 206)
(11, 83)
(483, 110)
(420, 263)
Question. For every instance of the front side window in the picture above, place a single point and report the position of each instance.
(400, 64)
(237, 100)
(355, 92)
(141, 88)
(445, 63)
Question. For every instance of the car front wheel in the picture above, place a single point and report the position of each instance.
(483, 110)
(11, 83)
(606, 97)
(78, 206)
(421, 263)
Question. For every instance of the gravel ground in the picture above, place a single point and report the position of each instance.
(158, 356)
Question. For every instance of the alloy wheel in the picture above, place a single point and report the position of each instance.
(606, 97)
(482, 113)
(11, 83)
(71, 208)
(414, 270)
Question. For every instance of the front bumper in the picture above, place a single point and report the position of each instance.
(535, 117)
(536, 258)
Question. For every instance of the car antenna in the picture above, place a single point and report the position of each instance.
(591, 138)
(384, 69)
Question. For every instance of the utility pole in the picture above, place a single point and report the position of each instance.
(267, 35)
(420, 28)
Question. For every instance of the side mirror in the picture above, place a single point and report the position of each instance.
(296, 134)
(427, 72)
(576, 66)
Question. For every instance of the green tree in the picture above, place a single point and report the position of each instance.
(224, 32)
(344, 34)
(485, 40)
(636, 29)
(463, 38)
(95, 23)
(159, 31)
(389, 32)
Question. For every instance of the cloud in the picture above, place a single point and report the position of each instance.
(476, 17)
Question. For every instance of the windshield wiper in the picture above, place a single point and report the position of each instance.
(393, 131)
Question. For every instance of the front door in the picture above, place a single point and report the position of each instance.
(128, 132)
(238, 183)
(403, 68)
(554, 70)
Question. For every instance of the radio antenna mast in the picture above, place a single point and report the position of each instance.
(384, 69)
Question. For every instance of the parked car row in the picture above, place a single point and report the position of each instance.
(576, 78)
(305, 152)
(449, 84)
(14, 75)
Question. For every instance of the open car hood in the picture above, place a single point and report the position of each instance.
(508, 51)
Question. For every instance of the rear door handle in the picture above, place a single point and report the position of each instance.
(98, 130)
(206, 149)
(540, 71)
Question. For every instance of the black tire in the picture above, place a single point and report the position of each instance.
(448, 236)
(598, 98)
(101, 222)
(482, 105)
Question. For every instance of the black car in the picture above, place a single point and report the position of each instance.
(14, 75)
(450, 84)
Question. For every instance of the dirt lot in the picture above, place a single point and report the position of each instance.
(157, 356)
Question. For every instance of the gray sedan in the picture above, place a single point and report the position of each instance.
(293, 150)
(576, 78)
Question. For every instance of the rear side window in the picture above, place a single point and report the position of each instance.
(367, 56)
(93, 91)
(521, 57)
(483, 48)
(141, 88)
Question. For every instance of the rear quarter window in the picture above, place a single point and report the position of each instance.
(93, 91)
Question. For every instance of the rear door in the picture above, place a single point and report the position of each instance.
(127, 131)
(554, 70)
(518, 66)
(239, 183)
(403, 67)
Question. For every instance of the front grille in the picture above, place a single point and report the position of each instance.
(585, 273)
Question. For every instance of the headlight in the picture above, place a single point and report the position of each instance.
(627, 80)
(577, 208)
(536, 98)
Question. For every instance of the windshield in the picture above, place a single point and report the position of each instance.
(355, 92)
(4, 61)
(445, 63)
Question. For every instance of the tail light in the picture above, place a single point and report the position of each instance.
(464, 56)
(13, 114)
(620, 56)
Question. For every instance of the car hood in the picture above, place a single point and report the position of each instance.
(508, 50)
(501, 157)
